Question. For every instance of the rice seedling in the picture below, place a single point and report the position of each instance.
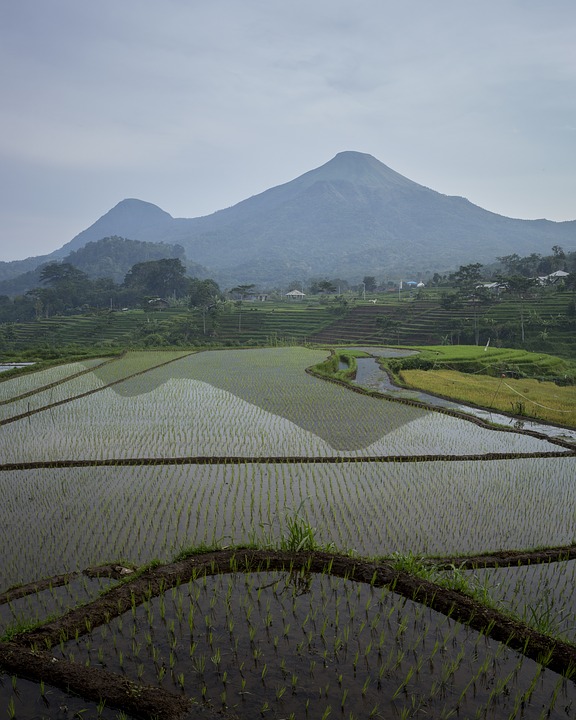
(425, 508)
(68, 518)
(353, 672)
(117, 422)
(33, 382)
(542, 595)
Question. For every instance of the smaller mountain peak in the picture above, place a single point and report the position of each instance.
(129, 206)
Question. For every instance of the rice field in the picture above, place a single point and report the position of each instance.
(59, 385)
(29, 700)
(33, 382)
(540, 594)
(53, 601)
(244, 439)
(315, 646)
(141, 513)
(533, 398)
(189, 408)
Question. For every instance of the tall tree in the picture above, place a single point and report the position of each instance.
(203, 292)
(518, 286)
(369, 283)
(470, 290)
(158, 278)
(65, 287)
(323, 286)
(242, 290)
(467, 277)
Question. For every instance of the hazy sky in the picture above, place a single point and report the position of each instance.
(195, 105)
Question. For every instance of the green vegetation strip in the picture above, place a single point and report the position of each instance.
(550, 652)
(505, 558)
(501, 559)
(528, 398)
(23, 590)
(282, 460)
(89, 392)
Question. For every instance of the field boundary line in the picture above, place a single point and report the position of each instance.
(448, 411)
(554, 653)
(94, 683)
(54, 384)
(29, 413)
(505, 558)
(277, 460)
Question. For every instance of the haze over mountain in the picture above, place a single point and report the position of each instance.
(350, 217)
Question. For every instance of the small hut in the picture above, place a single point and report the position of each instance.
(295, 295)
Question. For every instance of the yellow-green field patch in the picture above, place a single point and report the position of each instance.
(533, 398)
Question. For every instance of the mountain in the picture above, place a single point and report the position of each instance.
(131, 218)
(350, 217)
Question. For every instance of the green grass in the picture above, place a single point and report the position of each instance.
(544, 401)
(473, 358)
(421, 320)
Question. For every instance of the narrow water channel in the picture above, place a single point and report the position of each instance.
(371, 376)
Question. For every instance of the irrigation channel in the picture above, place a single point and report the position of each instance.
(371, 376)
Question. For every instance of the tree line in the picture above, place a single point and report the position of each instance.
(65, 289)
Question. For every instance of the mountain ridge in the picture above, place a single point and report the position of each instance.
(349, 217)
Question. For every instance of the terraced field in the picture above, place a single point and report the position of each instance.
(151, 454)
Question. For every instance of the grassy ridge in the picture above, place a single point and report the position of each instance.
(489, 361)
(532, 398)
(523, 383)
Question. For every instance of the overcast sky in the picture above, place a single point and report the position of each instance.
(195, 105)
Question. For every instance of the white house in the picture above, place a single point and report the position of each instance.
(554, 277)
(295, 295)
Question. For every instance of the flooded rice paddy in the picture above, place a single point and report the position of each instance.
(314, 645)
(263, 643)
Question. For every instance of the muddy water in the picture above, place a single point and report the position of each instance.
(11, 366)
(40, 606)
(543, 594)
(30, 701)
(277, 643)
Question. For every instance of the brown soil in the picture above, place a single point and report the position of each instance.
(506, 558)
(23, 656)
(141, 701)
(297, 459)
(22, 590)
